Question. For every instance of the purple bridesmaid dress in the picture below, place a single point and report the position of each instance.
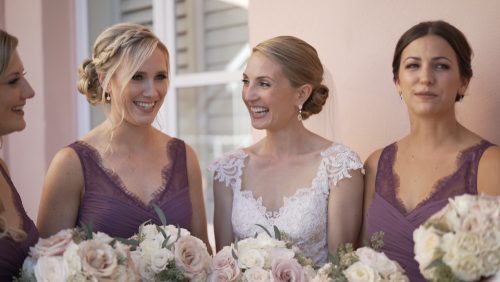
(107, 206)
(388, 214)
(12, 253)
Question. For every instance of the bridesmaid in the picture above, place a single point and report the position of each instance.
(411, 179)
(17, 230)
(112, 177)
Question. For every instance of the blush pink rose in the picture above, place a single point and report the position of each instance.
(99, 259)
(191, 256)
(224, 266)
(287, 270)
(55, 245)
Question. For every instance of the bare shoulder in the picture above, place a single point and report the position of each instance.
(66, 159)
(371, 162)
(4, 165)
(488, 176)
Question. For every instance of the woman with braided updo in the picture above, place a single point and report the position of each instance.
(112, 178)
(309, 187)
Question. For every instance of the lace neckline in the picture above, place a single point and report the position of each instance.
(272, 215)
(166, 174)
(439, 185)
(21, 213)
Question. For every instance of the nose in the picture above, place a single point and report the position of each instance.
(248, 93)
(27, 90)
(426, 75)
(149, 88)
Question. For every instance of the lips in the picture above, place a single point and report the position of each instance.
(258, 112)
(145, 106)
(18, 109)
(425, 94)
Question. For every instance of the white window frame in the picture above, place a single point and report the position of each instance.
(164, 28)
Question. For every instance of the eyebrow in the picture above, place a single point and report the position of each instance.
(260, 77)
(433, 59)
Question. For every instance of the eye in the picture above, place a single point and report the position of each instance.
(161, 77)
(264, 84)
(245, 81)
(411, 66)
(13, 81)
(442, 67)
(137, 76)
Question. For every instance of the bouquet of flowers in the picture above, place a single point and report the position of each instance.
(362, 264)
(263, 258)
(461, 241)
(169, 253)
(78, 255)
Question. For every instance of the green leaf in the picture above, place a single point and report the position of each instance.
(265, 229)
(160, 214)
(277, 233)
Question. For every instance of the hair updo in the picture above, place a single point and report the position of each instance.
(125, 43)
(301, 65)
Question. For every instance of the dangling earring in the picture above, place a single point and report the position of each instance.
(108, 97)
(400, 94)
(299, 116)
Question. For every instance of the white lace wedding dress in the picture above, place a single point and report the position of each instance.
(303, 216)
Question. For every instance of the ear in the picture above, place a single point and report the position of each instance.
(101, 77)
(463, 86)
(398, 87)
(303, 93)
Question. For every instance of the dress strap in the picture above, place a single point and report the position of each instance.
(384, 179)
(229, 168)
(338, 160)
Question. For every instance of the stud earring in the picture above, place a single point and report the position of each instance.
(299, 116)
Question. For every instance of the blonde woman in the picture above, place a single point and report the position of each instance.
(309, 187)
(17, 230)
(112, 177)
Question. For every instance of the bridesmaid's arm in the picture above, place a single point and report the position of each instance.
(62, 191)
(370, 173)
(345, 204)
(488, 175)
(223, 207)
(199, 216)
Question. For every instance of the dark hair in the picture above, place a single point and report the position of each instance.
(448, 32)
(301, 65)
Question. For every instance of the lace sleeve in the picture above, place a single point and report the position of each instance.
(339, 160)
(228, 168)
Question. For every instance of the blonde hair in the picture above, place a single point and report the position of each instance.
(6, 230)
(124, 44)
(301, 65)
(8, 44)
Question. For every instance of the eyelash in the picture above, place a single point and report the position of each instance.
(140, 77)
(15, 80)
(261, 83)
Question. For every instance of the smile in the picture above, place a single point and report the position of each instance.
(259, 110)
(144, 105)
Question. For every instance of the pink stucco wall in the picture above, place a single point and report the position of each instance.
(45, 33)
(356, 39)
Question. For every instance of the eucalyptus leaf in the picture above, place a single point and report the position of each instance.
(160, 214)
(265, 229)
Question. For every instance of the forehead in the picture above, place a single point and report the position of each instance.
(429, 46)
(15, 65)
(261, 65)
(157, 60)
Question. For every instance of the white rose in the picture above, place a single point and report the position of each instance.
(28, 269)
(427, 244)
(378, 261)
(55, 245)
(489, 239)
(491, 262)
(265, 241)
(173, 231)
(284, 253)
(248, 243)
(160, 259)
(147, 247)
(256, 274)
(149, 231)
(398, 277)
(360, 272)
(461, 204)
(50, 269)
(102, 237)
(248, 258)
(467, 268)
(72, 262)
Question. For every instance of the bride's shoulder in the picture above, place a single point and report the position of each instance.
(231, 158)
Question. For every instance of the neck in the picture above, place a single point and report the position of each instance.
(127, 135)
(289, 141)
(432, 133)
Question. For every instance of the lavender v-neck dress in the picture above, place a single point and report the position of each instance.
(388, 214)
(12, 253)
(108, 206)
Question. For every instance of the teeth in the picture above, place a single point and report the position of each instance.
(145, 105)
(258, 109)
(18, 108)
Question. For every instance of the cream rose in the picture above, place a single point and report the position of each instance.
(491, 262)
(467, 268)
(55, 245)
(191, 256)
(160, 258)
(256, 274)
(99, 259)
(287, 270)
(50, 269)
(378, 261)
(360, 272)
(427, 244)
(223, 266)
(248, 258)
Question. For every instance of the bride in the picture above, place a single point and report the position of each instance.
(307, 186)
